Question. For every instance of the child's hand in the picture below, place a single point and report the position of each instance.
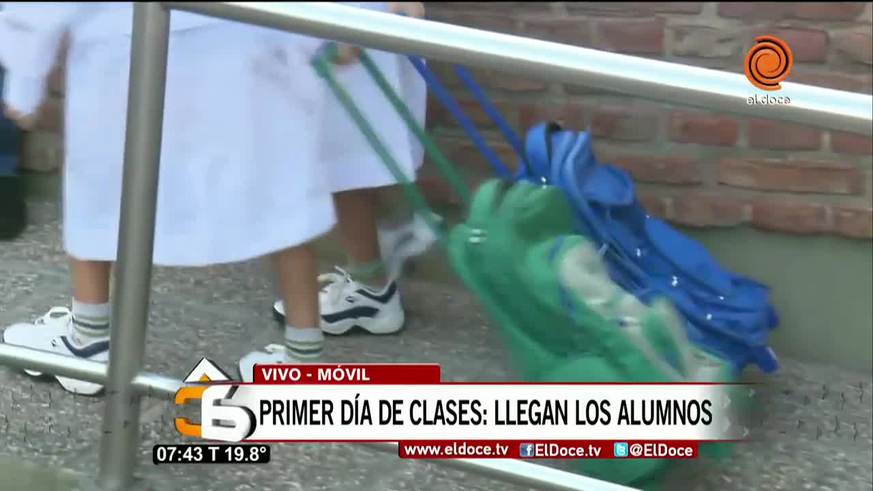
(346, 54)
(23, 121)
(411, 9)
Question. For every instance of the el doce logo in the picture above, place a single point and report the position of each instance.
(218, 421)
(768, 63)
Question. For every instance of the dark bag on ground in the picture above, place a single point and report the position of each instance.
(13, 216)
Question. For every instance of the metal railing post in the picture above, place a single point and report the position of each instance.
(130, 295)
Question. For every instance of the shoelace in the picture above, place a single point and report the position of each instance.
(337, 284)
(275, 348)
(53, 315)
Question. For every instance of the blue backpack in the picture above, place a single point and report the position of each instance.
(727, 314)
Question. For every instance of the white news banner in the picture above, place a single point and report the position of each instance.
(450, 411)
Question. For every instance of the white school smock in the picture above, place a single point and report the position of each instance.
(345, 153)
(238, 175)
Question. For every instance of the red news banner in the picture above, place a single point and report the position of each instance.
(557, 421)
(395, 374)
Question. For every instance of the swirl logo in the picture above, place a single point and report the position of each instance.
(768, 62)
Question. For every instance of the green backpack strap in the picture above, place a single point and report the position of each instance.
(323, 64)
(449, 171)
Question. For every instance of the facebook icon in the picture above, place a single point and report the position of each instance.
(526, 450)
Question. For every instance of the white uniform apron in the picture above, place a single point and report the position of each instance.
(238, 177)
(351, 161)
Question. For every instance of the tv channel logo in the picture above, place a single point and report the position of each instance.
(526, 450)
(619, 449)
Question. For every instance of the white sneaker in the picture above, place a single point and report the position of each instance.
(410, 239)
(273, 354)
(54, 332)
(346, 304)
(39, 333)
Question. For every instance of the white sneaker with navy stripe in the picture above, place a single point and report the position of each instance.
(54, 332)
(346, 304)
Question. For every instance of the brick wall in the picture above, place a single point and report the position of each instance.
(693, 167)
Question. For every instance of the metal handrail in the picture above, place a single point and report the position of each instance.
(631, 75)
(125, 382)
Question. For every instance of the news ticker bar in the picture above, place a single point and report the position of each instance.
(447, 449)
(556, 449)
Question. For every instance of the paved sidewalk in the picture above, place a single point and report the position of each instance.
(814, 431)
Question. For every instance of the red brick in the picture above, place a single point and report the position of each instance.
(854, 222)
(669, 170)
(493, 79)
(851, 143)
(754, 10)
(708, 209)
(654, 205)
(794, 176)
(631, 36)
(624, 124)
(444, 72)
(704, 42)
(829, 80)
(443, 8)
(807, 45)
(437, 192)
(467, 156)
(633, 9)
(857, 46)
(611, 9)
(702, 128)
(824, 11)
(510, 83)
(441, 116)
(574, 30)
(677, 7)
(776, 135)
(571, 116)
(503, 23)
(435, 114)
(790, 216)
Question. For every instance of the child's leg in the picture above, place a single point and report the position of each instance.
(90, 280)
(297, 271)
(297, 275)
(91, 310)
(356, 214)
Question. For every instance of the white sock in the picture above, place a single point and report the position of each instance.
(90, 320)
(303, 342)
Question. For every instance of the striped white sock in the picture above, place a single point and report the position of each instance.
(91, 320)
(304, 342)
